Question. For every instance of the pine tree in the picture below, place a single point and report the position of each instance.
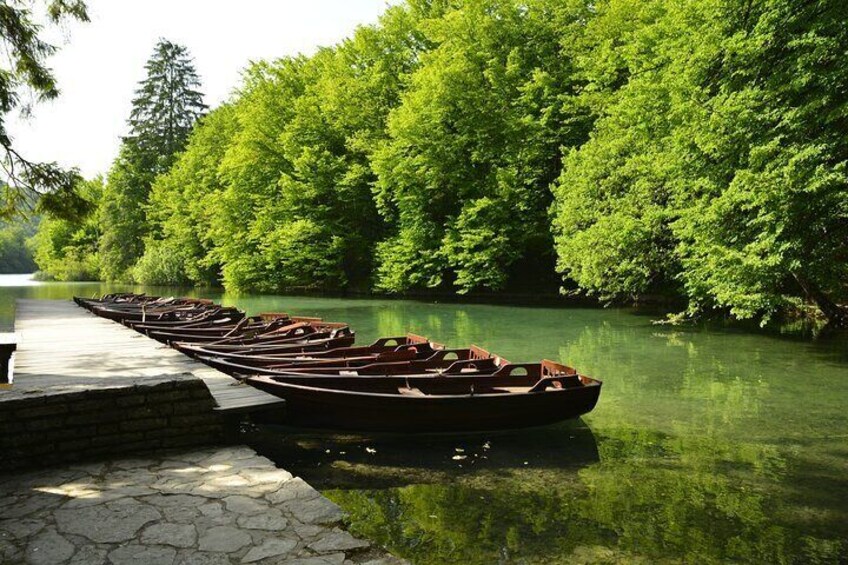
(166, 106)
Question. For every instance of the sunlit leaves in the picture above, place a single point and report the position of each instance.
(717, 166)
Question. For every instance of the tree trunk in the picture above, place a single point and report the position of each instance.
(835, 314)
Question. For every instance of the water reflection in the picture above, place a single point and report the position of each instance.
(643, 496)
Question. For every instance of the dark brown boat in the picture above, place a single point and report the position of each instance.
(261, 355)
(284, 346)
(242, 330)
(545, 393)
(212, 322)
(472, 361)
(211, 318)
(402, 360)
(182, 312)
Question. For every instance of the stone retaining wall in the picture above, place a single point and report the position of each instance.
(45, 429)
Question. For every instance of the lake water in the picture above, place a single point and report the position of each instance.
(709, 444)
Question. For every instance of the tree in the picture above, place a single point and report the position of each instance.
(325, 222)
(771, 222)
(718, 167)
(165, 108)
(122, 216)
(166, 105)
(250, 169)
(30, 184)
(473, 146)
(180, 247)
(298, 211)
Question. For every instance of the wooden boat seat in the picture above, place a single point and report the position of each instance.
(511, 389)
(410, 391)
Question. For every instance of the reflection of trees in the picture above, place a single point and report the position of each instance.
(694, 498)
(730, 384)
(692, 430)
(402, 317)
(652, 497)
(456, 524)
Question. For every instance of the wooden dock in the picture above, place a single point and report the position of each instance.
(65, 348)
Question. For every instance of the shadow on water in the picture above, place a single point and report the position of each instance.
(351, 461)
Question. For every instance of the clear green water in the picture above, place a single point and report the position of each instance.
(709, 444)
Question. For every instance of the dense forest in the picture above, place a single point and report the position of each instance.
(617, 148)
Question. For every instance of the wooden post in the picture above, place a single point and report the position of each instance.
(8, 346)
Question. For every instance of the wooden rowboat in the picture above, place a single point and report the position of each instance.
(243, 330)
(545, 393)
(283, 346)
(404, 359)
(212, 317)
(169, 313)
(259, 356)
(471, 361)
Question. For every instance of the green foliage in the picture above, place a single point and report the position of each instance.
(692, 149)
(717, 167)
(163, 263)
(180, 247)
(122, 217)
(778, 216)
(164, 110)
(15, 257)
(297, 211)
(250, 169)
(67, 250)
(339, 119)
(474, 145)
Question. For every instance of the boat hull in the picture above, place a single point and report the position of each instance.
(344, 410)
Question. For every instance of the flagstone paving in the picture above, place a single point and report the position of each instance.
(210, 506)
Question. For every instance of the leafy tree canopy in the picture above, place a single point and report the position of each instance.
(474, 144)
(621, 148)
(717, 168)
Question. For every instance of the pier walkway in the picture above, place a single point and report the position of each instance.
(66, 348)
(85, 387)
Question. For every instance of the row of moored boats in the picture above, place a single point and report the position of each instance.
(396, 384)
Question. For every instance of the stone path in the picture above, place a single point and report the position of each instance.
(205, 507)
